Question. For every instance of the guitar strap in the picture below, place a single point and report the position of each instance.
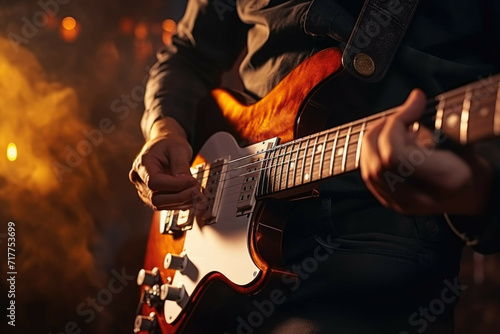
(374, 39)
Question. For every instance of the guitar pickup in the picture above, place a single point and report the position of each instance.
(213, 190)
(246, 198)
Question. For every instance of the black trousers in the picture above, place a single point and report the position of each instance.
(355, 267)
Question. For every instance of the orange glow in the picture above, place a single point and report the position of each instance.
(52, 22)
(12, 152)
(70, 29)
(169, 25)
(68, 23)
(43, 117)
(141, 31)
(126, 25)
(275, 115)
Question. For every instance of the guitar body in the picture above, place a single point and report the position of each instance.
(243, 251)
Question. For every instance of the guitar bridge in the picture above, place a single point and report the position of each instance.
(175, 221)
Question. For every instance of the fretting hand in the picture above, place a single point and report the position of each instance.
(405, 174)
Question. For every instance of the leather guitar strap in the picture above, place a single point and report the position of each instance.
(376, 37)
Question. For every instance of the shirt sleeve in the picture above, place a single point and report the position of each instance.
(208, 40)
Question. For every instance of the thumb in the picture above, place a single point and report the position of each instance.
(413, 108)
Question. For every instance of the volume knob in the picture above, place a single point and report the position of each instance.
(170, 292)
(149, 277)
(176, 262)
(146, 323)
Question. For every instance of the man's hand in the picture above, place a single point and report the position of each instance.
(161, 170)
(407, 174)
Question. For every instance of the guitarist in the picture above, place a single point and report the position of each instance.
(394, 261)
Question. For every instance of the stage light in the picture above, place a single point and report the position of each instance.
(70, 29)
(141, 31)
(12, 152)
(169, 25)
(69, 23)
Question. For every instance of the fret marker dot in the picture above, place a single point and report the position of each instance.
(319, 149)
(292, 165)
(340, 151)
(306, 177)
(452, 121)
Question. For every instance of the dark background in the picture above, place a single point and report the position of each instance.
(78, 220)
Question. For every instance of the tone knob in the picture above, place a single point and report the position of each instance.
(176, 262)
(149, 277)
(170, 292)
(146, 323)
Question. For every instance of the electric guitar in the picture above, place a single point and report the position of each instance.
(237, 241)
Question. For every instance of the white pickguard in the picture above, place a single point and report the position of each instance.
(224, 246)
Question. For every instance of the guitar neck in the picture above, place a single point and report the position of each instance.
(464, 115)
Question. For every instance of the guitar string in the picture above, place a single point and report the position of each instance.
(295, 182)
(430, 109)
(291, 143)
(431, 103)
(278, 163)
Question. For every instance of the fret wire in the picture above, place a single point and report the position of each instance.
(283, 166)
(267, 170)
(439, 115)
(281, 169)
(288, 167)
(334, 148)
(464, 117)
(346, 146)
(273, 165)
(262, 177)
(304, 161)
(322, 156)
(496, 117)
(275, 168)
(312, 159)
(269, 161)
(358, 147)
(295, 165)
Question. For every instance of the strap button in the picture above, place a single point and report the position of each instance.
(364, 65)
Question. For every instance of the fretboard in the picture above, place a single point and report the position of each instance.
(464, 115)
